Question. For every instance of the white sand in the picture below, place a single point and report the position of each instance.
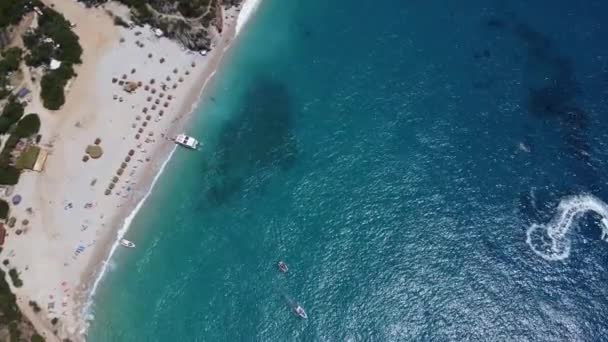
(72, 223)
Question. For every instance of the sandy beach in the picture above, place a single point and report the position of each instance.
(72, 213)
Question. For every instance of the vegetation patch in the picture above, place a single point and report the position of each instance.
(28, 126)
(9, 311)
(9, 175)
(53, 85)
(12, 112)
(28, 158)
(15, 277)
(4, 208)
(11, 11)
(37, 338)
(53, 39)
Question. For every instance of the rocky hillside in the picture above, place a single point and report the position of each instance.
(188, 21)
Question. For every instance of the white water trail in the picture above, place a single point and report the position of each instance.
(550, 241)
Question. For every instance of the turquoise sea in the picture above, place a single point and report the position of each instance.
(413, 162)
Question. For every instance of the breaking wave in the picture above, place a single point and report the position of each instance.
(550, 240)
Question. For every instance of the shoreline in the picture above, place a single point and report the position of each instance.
(130, 212)
(77, 281)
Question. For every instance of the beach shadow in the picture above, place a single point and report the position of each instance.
(257, 142)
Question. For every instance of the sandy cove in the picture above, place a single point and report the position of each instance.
(73, 222)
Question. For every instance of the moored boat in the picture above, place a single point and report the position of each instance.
(186, 141)
(299, 310)
(127, 243)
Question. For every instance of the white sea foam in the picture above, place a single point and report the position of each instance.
(107, 264)
(247, 10)
(550, 241)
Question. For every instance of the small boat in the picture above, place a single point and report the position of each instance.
(186, 141)
(127, 243)
(300, 312)
(283, 267)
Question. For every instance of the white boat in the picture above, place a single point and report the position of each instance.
(300, 312)
(127, 243)
(186, 141)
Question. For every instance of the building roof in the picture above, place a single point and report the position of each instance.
(55, 64)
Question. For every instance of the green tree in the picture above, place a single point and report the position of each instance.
(11, 58)
(4, 207)
(28, 126)
(12, 112)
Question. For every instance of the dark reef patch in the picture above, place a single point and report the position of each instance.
(495, 23)
(257, 140)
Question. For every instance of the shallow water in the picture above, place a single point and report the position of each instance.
(395, 154)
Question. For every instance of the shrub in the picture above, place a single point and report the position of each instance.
(15, 277)
(9, 146)
(4, 207)
(35, 306)
(52, 24)
(37, 338)
(118, 21)
(28, 126)
(11, 60)
(8, 306)
(11, 11)
(9, 175)
(14, 332)
(12, 112)
(53, 84)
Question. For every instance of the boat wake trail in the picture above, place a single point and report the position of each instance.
(550, 241)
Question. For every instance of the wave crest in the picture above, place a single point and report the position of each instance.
(550, 241)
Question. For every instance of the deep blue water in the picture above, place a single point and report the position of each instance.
(395, 154)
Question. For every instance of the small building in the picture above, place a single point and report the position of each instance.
(41, 160)
(159, 33)
(55, 64)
